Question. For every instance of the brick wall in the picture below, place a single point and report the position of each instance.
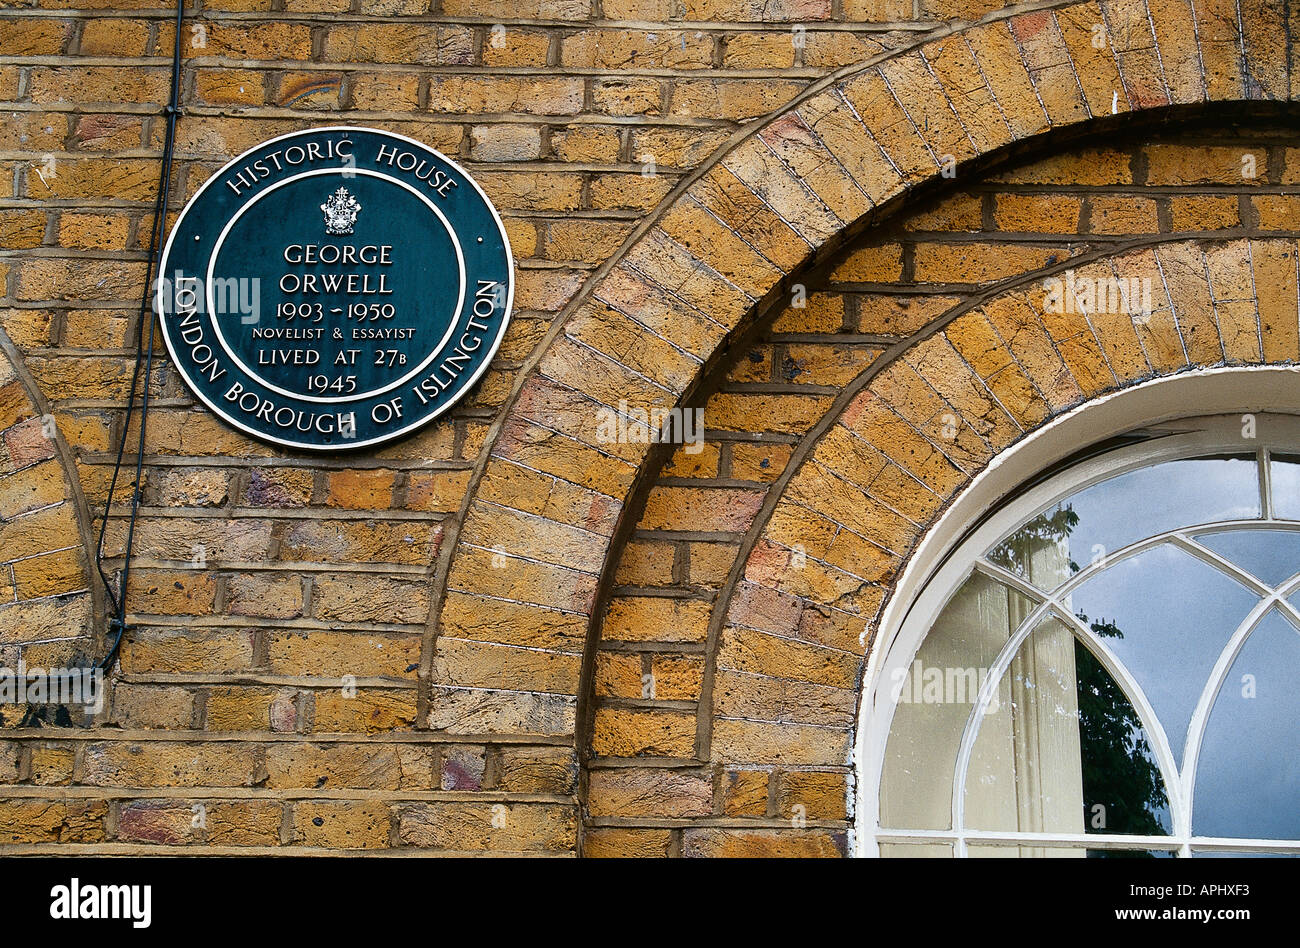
(328, 653)
(43, 534)
(261, 579)
(694, 639)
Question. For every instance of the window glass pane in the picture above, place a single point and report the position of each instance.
(1166, 615)
(1284, 473)
(1010, 852)
(1105, 517)
(1040, 551)
(934, 697)
(1062, 750)
(916, 850)
(1025, 771)
(1248, 775)
(1270, 555)
(1123, 791)
(1023, 852)
(1203, 853)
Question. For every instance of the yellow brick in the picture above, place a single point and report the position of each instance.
(878, 264)
(93, 231)
(744, 792)
(1038, 213)
(353, 824)
(677, 678)
(754, 411)
(1090, 167)
(436, 491)
(1122, 214)
(1277, 211)
(879, 314)
(1210, 164)
(360, 489)
(516, 47)
(822, 796)
(959, 212)
(978, 262)
(239, 709)
(701, 460)
(230, 87)
(656, 619)
(21, 229)
(710, 563)
(618, 675)
(607, 843)
(646, 563)
(758, 50)
(586, 144)
(762, 462)
(621, 732)
(32, 36)
(1206, 212)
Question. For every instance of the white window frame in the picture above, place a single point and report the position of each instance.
(933, 573)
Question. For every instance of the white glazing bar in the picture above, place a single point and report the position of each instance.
(1210, 558)
(1265, 484)
(1178, 804)
(1179, 810)
(1179, 780)
(986, 691)
(1200, 717)
(1115, 841)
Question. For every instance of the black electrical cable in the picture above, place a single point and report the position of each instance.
(143, 364)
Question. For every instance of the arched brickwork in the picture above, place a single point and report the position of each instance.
(47, 597)
(653, 679)
(545, 502)
(941, 412)
(789, 640)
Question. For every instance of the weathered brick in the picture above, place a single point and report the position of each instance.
(735, 844)
(619, 732)
(610, 843)
(168, 764)
(519, 827)
(631, 792)
(351, 824)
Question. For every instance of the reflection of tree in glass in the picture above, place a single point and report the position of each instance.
(1047, 529)
(1119, 768)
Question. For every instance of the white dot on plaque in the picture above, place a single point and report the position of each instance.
(480, 240)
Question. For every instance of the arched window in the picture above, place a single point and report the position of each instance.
(1108, 664)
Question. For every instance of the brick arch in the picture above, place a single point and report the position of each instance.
(823, 561)
(49, 602)
(547, 496)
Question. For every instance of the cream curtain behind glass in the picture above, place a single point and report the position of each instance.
(1025, 772)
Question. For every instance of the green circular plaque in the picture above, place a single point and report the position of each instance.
(335, 288)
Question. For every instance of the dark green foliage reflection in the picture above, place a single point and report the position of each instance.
(1122, 789)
